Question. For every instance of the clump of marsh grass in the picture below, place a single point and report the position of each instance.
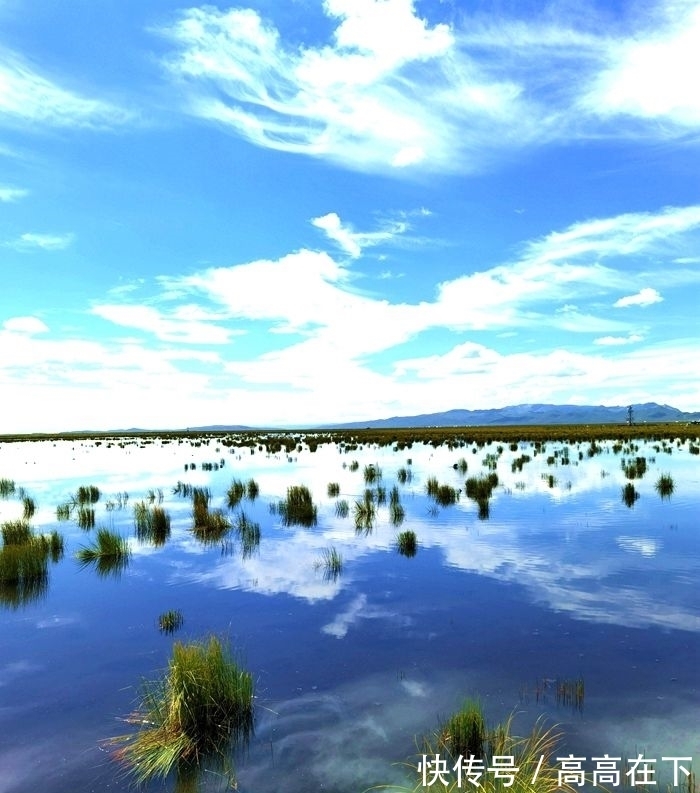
(85, 517)
(7, 488)
(199, 709)
(479, 489)
(28, 507)
(629, 495)
(333, 489)
(342, 508)
(461, 466)
(534, 757)
(372, 473)
(404, 475)
(209, 526)
(406, 543)
(634, 469)
(63, 512)
(364, 513)
(249, 535)
(298, 508)
(332, 563)
(235, 493)
(252, 489)
(152, 523)
(464, 733)
(183, 489)
(170, 621)
(109, 553)
(664, 486)
(87, 494)
(24, 559)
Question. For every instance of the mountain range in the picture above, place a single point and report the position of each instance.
(528, 414)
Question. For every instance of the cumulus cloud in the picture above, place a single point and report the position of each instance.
(29, 325)
(645, 297)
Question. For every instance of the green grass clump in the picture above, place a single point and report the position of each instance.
(249, 535)
(85, 517)
(16, 532)
(170, 621)
(332, 563)
(24, 561)
(28, 507)
(461, 466)
(372, 473)
(464, 733)
(63, 512)
(365, 513)
(298, 508)
(252, 489)
(109, 553)
(342, 508)
(664, 486)
(534, 755)
(333, 489)
(235, 493)
(87, 494)
(404, 475)
(629, 495)
(7, 488)
(198, 710)
(152, 523)
(406, 543)
(634, 469)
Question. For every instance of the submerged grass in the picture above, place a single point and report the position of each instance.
(332, 563)
(199, 709)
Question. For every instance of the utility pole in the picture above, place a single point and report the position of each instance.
(630, 419)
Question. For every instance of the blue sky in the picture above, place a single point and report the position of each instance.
(295, 213)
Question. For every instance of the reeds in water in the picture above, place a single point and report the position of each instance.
(332, 563)
(298, 508)
(372, 473)
(7, 488)
(365, 513)
(629, 495)
(85, 517)
(342, 508)
(170, 621)
(664, 486)
(152, 523)
(200, 709)
(407, 543)
(249, 535)
(109, 553)
(87, 494)
(333, 489)
(24, 559)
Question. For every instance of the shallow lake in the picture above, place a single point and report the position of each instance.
(561, 581)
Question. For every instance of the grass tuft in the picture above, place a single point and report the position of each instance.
(199, 709)
(109, 553)
(406, 543)
(170, 621)
(298, 508)
(664, 486)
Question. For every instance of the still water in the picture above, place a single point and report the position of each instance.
(562, 581)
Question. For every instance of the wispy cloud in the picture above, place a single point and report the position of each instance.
(9, 194)
(645, 297)
(28, 97)
(617, 341)
(187, 324)
(45, 242)
(435, 95)
(354, 242)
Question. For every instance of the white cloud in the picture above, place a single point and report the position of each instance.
(45, 242)
(27, 96)
(353, 242)
(645, 297)
(188, 324)
(617, 341)
(29, 325)
(9, 194)
(391, 91)
(653, 75)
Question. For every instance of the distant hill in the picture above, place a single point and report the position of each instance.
(532, 414)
